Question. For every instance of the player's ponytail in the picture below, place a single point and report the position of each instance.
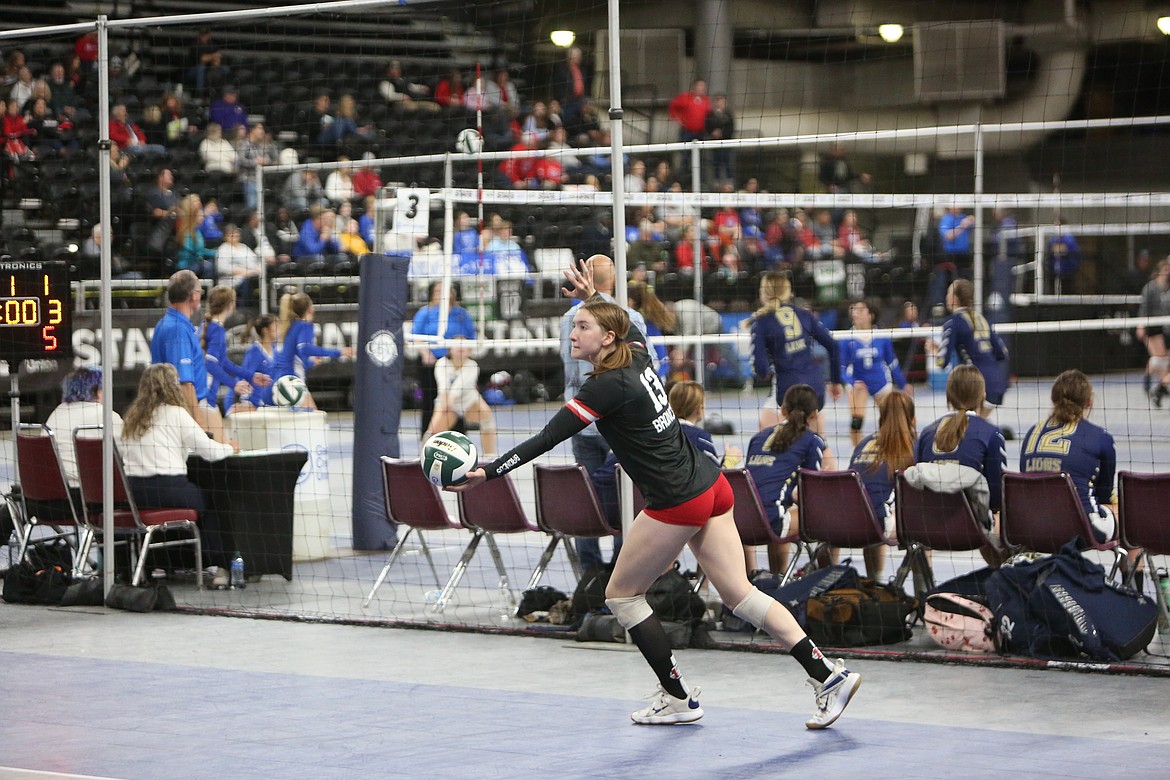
(965, 393)
(799, 405)
(895, 434)
(1071, 395)
(964, 292)
(611, 317)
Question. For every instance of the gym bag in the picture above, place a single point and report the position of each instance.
(958, 623)
(868, 614)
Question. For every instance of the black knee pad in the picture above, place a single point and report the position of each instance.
(855, 423)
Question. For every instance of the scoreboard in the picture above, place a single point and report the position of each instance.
(35, 311)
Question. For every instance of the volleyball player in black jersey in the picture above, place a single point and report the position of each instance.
(688, 502)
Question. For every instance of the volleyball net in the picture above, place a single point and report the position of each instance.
(805, 165)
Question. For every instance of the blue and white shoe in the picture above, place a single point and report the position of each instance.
(666, 710)
(833, 695)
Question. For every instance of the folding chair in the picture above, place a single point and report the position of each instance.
(1141, 516)
(927, 520)
(486, 510)
(42, 480)
(1042, 512)
(752, 520)
(142, 524)
(414, 503)
(835, 510)
(566, 507)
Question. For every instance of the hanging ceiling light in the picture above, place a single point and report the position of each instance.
(890, 33)
(563, 38)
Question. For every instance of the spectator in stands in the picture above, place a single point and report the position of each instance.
(179, 122)
(597, 238)
(219, 156)
(254, 235)
(449, 92)
(1063, 255)
(1156, 303)
(16, 132)
(318, 247)
(160, 198)
(720, 126)
(339, 182)
(194, 255)
(690, 109)
(285, 229)
(649, 250)
(1086, 451)
(351, 240)
(89, 266)
(345, 125)
(774, 457)
(501, 93)
(227, 112)
(21, 89)
(128, 135)
(877, 459)
(319, 117)
(208, 70)
(506, 256)
(585, 131)
(571, 84)
(398, 91)
(237, 265)
(211, 226)
(836, 174)
(65, 100)
(86, 51)
(1010, 246)
(154, 127)
(157, 437)
(855, 244)
(48, 136)
(635, 178)
(76, 72)
(119, 162)
(963, 438)
(728, 230)
(119, 82)
(302, 190)
(827, 245)
(366, 181)
(537, 122)
(256, 149)
(426, 323)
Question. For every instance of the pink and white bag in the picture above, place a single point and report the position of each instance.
(958, 623)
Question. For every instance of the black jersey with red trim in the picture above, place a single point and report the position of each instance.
(631, 411)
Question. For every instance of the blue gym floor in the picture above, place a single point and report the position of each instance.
(94, 693)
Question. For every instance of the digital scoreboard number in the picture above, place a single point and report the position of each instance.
(35, 311)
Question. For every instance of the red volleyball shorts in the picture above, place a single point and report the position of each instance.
(714, 501)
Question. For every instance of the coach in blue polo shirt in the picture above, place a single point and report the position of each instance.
(176, 341)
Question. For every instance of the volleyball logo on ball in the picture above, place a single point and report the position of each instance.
(447, 458)
(469, 141)
(288, 391)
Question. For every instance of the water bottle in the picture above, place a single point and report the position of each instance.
(237, 578)
(1164, 586)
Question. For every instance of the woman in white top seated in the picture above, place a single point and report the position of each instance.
(158, 433)
(457, 381)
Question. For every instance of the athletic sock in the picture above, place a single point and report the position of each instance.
(812, 659)
(651, 639)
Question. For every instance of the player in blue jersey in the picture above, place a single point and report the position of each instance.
(1067, 442)
(877, 459)
(221, 371)
(782, 336)
(176, 341)
(964, 438)
(299, 351)
(868, 365)
(688, 503)
(260, 358)
(968, 339)
(774, 456)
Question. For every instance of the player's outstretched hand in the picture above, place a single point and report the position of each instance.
(579, 277)
(475, 477)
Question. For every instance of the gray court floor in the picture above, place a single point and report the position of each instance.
(104, 694)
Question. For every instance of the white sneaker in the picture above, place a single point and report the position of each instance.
(833, 695)
(220, 580)
(665, 709)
